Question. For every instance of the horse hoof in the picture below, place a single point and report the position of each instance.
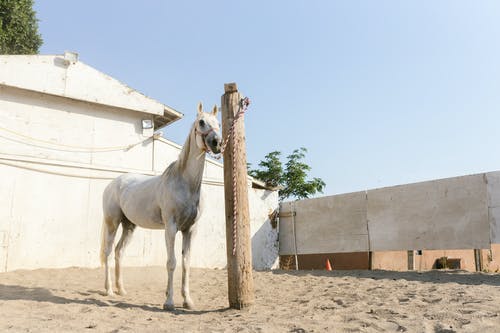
(122, 292)
(188, 305)
(168, 307)
(110, 292)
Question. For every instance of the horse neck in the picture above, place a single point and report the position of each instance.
(191, 161)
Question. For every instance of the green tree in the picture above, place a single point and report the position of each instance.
(292, 180)
(18, 28)
(272, 172)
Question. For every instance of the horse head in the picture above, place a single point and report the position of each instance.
(207, 129)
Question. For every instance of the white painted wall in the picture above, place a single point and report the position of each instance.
(50, 199)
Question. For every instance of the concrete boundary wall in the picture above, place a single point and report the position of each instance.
(325, 225)
(493, 189)
(448, 213)
(452, 213)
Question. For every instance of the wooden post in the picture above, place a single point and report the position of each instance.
(478, 260)
(411, 260)
(239, 265)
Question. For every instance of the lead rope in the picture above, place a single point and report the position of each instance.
(243, 106)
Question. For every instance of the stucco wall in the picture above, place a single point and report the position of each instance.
(51, 193)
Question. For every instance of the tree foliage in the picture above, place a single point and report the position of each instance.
(292, 179)
(18, 28)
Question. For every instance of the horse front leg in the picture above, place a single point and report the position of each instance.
(186, 265)
(170, 231)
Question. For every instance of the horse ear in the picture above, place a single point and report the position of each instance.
(200, 108)
(215, 110)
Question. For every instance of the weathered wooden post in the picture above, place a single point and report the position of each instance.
(239, 251)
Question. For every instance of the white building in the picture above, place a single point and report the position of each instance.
(66, 130)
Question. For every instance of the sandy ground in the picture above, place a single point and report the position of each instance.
(63, 300)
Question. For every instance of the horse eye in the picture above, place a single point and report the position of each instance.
(202, 123)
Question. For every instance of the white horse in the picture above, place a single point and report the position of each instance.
(170, 201)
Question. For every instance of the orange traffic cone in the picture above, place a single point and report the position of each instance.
(328, 266)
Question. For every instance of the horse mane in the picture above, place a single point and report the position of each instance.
(181, 162)
(168, 170)
(178, 167)
(186, 149)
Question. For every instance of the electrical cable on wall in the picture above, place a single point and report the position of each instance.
(65, 147)
(14, 159)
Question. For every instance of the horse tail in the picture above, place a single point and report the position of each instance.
(112, 216)
(104, 241)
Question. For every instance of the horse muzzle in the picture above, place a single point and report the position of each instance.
(213, 142)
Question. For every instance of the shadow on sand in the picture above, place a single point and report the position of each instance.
(38, 294)
(436, 276)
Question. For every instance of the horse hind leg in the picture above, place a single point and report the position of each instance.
(186, 264)
(127, 231)
(109, 227)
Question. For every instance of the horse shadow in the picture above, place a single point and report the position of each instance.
(39, 294)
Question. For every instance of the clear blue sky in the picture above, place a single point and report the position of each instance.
(380, 92)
